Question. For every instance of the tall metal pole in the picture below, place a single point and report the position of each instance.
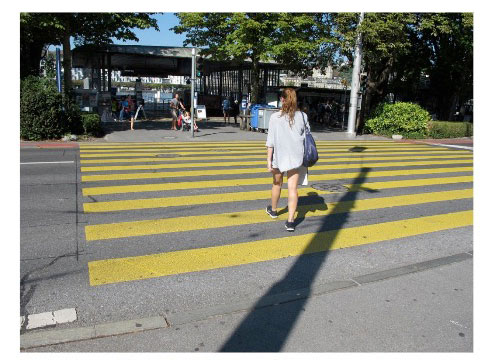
(193, 87)
(58, 69)
(354, 90)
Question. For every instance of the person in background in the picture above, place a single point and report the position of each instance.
(124, 109)
(285, 151)
(131, 104)
(131, 107)
(175, 105)
(236, 111)
(226, 109)
(187, 119)
(114, 108)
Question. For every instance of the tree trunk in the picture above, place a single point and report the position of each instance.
(446, 105)
(31, 55)
(453, 103)
(255, 81)
(375, 92)
(365, 110)
(67, 64)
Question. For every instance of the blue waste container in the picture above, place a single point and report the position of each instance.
(254, 113)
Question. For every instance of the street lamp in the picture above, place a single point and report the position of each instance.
(193, 82)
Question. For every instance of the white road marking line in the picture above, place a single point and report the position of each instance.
(48, 162)
(453, 146)
(35, 321)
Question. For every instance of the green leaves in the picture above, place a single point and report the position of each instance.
(407, 119)
(41, 29)
(45, 113)
(240, 36)
(447, 129)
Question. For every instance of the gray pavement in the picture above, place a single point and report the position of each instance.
(212, 129)
(425, 311)
(398, 310)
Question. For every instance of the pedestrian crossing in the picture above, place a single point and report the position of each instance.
(140, 196)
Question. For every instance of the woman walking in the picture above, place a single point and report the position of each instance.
(285, 154)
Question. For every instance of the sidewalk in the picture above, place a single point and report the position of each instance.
(215, 130)
(423, 307)
(212, 130)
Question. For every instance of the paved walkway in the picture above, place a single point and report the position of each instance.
(212, 130)
(215, 130)
(370, 313)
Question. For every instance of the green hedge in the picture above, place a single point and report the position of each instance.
(45, 113)
(91, 124)
(448, 129)
(406, 119)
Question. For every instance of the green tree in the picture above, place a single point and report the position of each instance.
(39, 30)
(448, 38)
(237, 37)
(398, 48)
(385, 41)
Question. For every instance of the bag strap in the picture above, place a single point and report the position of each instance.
(305, 123)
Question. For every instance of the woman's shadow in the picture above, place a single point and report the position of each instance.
(312, 202)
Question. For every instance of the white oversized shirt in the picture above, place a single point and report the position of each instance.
(287, 141)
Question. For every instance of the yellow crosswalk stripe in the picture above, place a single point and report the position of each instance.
(245, 152)
(239, 147)
(157, 265)
(234, 171)
(353, 156)
(261, 162)
(212, 221)
(106, 190)
(233, 143)
(211, 155)
(137, 204)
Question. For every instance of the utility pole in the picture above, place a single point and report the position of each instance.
(58, 69)
(354, 89)
(193, 87)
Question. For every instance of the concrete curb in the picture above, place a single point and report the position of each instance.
(444, 142)
(53, 337)
(31, 340)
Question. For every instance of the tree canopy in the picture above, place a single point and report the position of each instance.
(41, 29)
(398, 48)
(285, 37)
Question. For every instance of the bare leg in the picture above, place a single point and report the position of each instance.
(292, 194)
(276, 188)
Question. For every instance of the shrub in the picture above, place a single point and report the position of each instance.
(44, 112)
(447, 129)
(91, 124)
(407, 119)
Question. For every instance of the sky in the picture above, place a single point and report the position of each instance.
(152, 37)
(163, 37)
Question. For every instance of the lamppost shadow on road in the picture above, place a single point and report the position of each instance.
(266, 328)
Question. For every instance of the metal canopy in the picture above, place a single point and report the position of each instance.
(155, 61)
(136, 60)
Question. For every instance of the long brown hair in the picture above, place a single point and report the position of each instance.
(289, 104)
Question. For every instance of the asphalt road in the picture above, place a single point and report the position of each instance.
(65, 249)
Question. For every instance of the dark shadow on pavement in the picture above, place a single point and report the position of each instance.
(313, 202)
(266, 327)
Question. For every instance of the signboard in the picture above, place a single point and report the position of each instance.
(201, 112)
